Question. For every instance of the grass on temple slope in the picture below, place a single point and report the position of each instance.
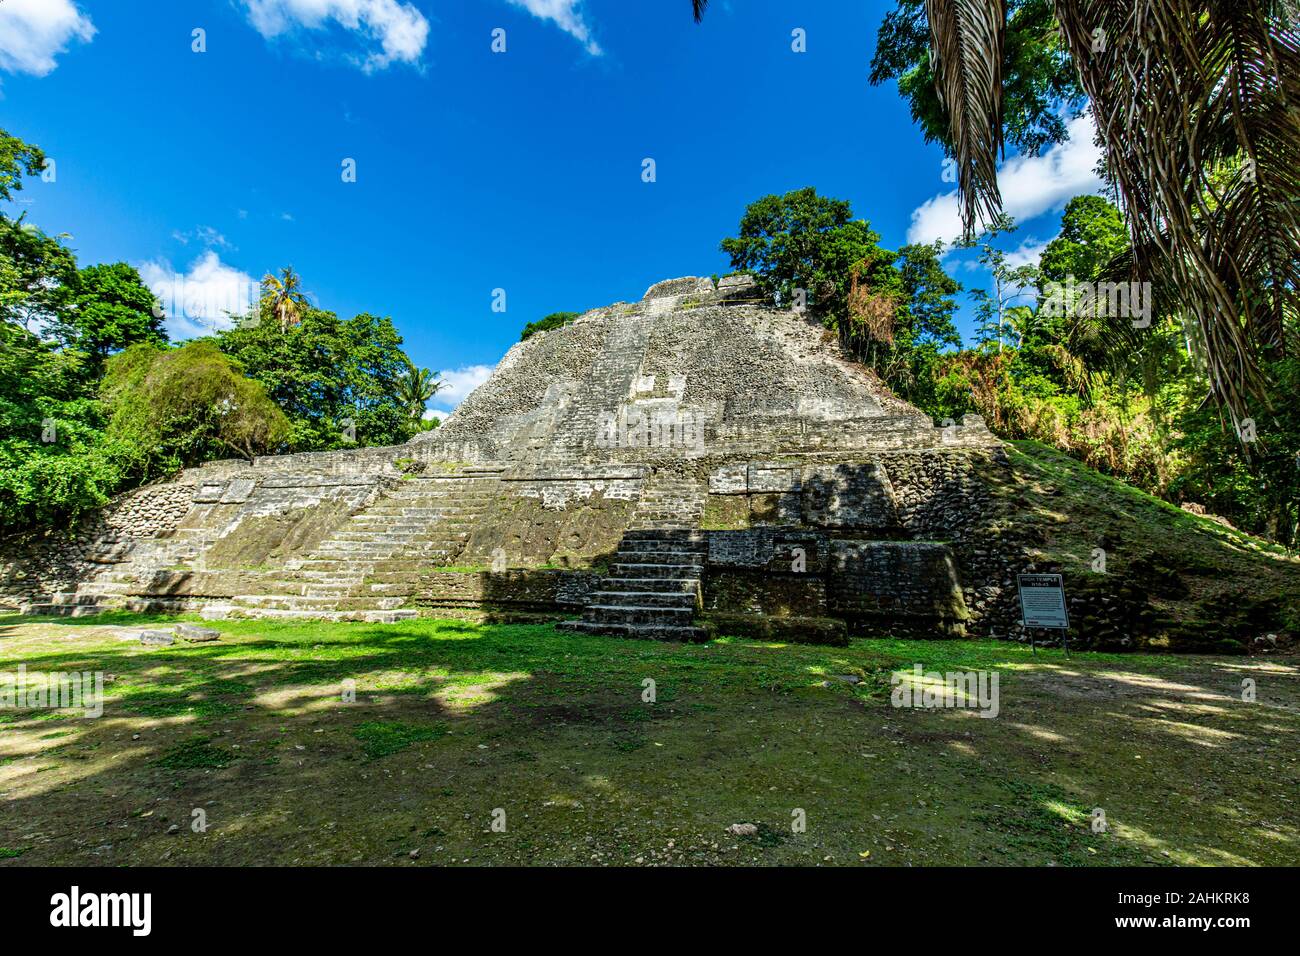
(319, 743)
(1209, 585)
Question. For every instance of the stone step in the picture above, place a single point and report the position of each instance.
(674, 571)
(423, 561)
(621, 614)
(75, 597)
(643, 585)
(98, 587)
(672, 599)
(679, 557)
(662, 544)
(403, 589)
(371, 617)
(63, 610)
(350, 574)
(656, 534)
(157, 605)
(378, 535)
(311, 589)
(294, 602)
(394, 524)
(643, 632)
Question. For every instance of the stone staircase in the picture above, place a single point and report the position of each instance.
(66, 604)
(609, 383)
(365, 571)
(653, 588)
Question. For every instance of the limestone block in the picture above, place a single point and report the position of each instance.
(238, 490)
(849, 495)
(209, 492)
(729, 480)
(771, 477)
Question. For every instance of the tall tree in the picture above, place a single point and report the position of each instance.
(283, 297)
(417, 386)
(106, 308)
(1180, 89)
(17, 159)
(802, 245)
(1011, 284)
(35, 271)
(339, 381)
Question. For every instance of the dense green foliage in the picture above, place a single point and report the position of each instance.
(340, 381)
(94, 400)
(174, 407)
(1127, 400)
(553, 321)
(892, 310)
(55, 461)
(806, 249)
(104, 309)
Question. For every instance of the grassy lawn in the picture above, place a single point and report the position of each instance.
(454, 722)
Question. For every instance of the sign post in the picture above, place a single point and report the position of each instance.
(1042, 604)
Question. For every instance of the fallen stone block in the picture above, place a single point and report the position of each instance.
(156, 638)
(195, 634)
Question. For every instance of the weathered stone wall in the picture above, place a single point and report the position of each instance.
(518, 592)
(896, 587)
(168, 539)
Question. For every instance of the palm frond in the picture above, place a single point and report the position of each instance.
(967, 40)
(1179, 88)
(699, 6)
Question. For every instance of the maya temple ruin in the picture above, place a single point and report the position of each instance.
(691, 464)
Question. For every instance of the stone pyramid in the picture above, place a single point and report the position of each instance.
(692, 462)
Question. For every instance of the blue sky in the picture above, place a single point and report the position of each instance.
(475, 170)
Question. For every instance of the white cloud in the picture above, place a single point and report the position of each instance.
(204, 235)
(1031, 186)
(398, 29)
(197, 302)
(457, 384)
(567, 15)
(1027, 254)
(34, 32)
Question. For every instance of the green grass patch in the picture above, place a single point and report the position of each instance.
(197, 753)
(381, 738)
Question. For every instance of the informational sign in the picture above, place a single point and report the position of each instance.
(1042, 600)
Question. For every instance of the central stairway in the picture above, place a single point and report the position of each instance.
(653, 588)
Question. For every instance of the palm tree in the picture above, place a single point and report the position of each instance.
(416, 387)
(284, 297)
(1181, 90)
